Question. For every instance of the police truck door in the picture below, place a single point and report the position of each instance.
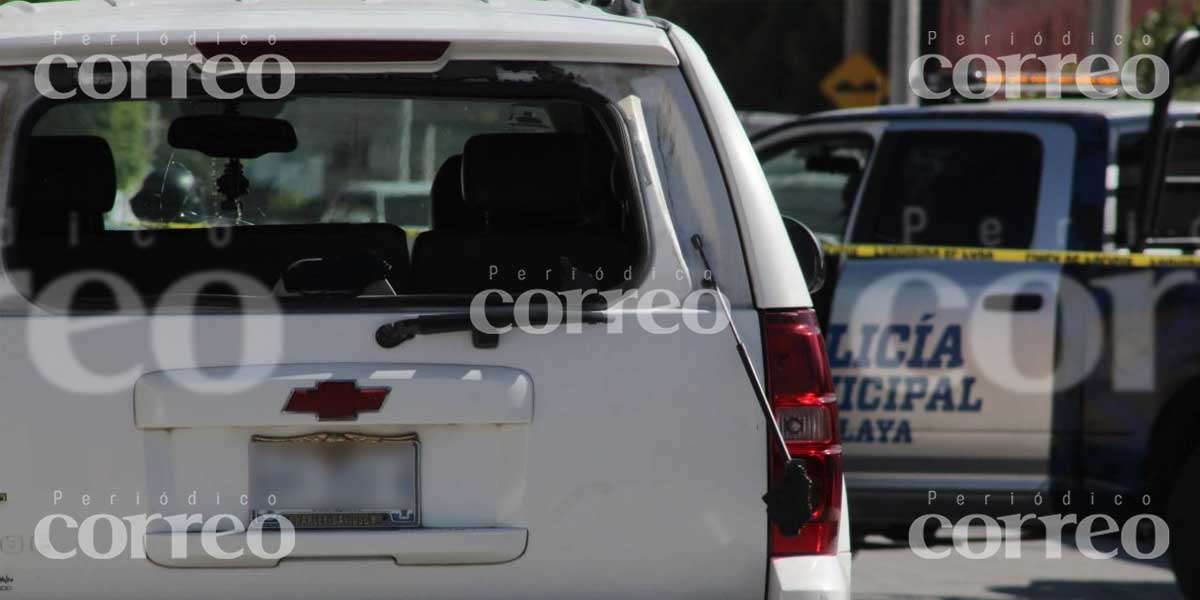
(945, 369)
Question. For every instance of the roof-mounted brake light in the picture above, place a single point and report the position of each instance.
(332, 51)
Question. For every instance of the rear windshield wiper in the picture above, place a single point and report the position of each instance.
(393, 334)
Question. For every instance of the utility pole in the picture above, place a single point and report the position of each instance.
(406, 126)
(1109, 19)
(856, 27)
(903, 33)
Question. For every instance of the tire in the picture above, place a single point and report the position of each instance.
(1183, 518)
(858, 537)
(899, 534)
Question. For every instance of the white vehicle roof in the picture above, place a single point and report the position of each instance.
(562, 30)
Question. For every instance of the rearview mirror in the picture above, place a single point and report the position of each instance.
(808, 251)
(232, 136)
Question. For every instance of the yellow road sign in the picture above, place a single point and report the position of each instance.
(856, 82)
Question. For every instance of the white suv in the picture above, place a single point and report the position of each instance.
(211, 390)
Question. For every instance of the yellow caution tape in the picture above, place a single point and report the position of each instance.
(1010, 255)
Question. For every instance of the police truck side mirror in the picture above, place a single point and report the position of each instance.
(1177, 218)
(808, 251)
(1155, 222)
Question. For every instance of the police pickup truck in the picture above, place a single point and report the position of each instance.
(1011, 319)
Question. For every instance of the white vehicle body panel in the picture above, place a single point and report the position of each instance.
(775, 274)
(777, 283)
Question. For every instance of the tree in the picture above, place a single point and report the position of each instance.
(1158, 27)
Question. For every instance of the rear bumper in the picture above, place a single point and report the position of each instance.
(810, 577)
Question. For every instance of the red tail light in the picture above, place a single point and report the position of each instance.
(801, 391)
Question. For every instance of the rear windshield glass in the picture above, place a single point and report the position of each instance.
(320, 196)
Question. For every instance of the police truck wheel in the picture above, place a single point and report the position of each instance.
(928, 533)
(1183, 517)
(858, 538)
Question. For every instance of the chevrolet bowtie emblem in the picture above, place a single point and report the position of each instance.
(336, 400)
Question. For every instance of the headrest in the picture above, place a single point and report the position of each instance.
(517, 175)
(71, 173)
(446, 195)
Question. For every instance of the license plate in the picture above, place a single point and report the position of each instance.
(334, 480)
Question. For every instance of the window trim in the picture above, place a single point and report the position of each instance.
(768, 152)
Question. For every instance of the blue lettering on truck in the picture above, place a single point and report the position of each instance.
(873, 407)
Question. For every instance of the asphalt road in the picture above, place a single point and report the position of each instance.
(885, 570)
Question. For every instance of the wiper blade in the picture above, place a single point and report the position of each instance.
(393, 334)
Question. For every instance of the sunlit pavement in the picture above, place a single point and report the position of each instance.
(884, 569)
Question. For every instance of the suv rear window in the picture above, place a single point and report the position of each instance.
(380, 196)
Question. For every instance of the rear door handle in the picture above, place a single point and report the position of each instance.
(1013, 302)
